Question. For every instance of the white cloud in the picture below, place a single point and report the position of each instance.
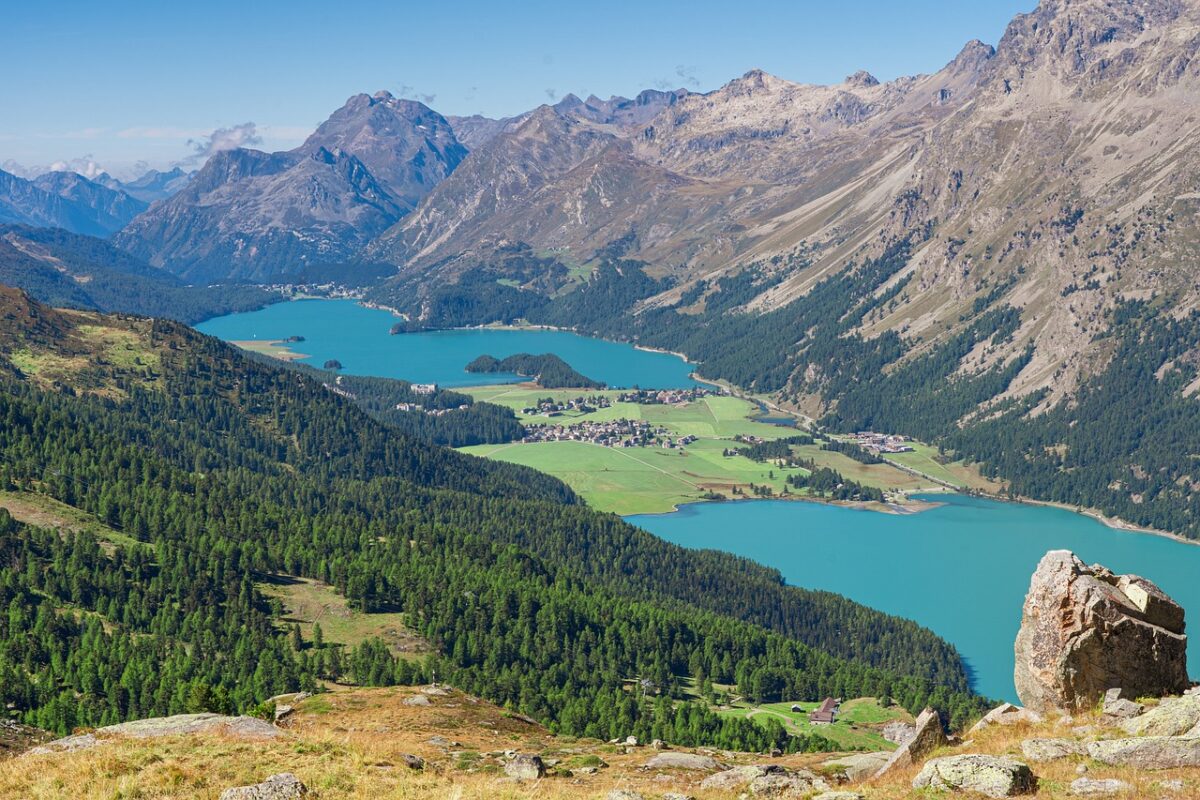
(244, 135)
(84, 165)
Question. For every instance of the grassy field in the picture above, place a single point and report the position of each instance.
(275, 348)
(46, 512)
(308, 602)
(857, 726)
(655, 480)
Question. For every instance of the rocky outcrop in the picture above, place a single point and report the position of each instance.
(993, 776)
(692, 761)
(525, 767)
(857, 766)
(738, 777)
(178, 725)
(1006, 714)
(1148, 752)
(786, 783)
(897, 732)
(1174, 716)
(284, 786)
(1118, 706)
(1085, 630)
(927, 737)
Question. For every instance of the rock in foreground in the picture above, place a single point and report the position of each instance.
(284, 786)
(1085, 630)
(993, 776)
(1148, 752)
(927, 737)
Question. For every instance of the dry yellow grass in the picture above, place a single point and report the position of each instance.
(349, 745)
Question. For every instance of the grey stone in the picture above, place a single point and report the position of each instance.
(284, 786)
(1085, 630)
(624, 794)
(417, 700)
(658, 744)
(993, 776)
(737, 777)
(525, 767)
(858, 766)
(786, 783)
(81, 741)
(1006, 714)
(927, 737)
(412, 762)
(1052, 749)
(1148, 752)
(837, 795)
(1173, 716)
(694, 761)
(1171, 785)
(1097, 787)
(676, 796)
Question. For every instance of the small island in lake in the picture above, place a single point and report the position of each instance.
(547, 370)
(333, 363)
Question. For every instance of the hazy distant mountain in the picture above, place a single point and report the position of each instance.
(65, 200)
(67, 269)
(150, 187)
(250, 214)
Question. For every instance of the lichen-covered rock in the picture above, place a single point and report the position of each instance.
(1085, 630)
(993, 776)
(284, 786)
(858, 766)
(1148, 752)
(927, 737)
(1006, 714)
(624, 794)
(1052, 749)
(838, 796)
(412, 761)
(1097, 787)
(1174, 716)
(786, 783)
(737, 777)
(670, 760)
(525, 767)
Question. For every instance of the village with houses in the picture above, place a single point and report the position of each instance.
(611, 433)
(880, 443)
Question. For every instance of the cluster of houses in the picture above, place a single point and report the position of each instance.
(882, 442)
(433, 412)
(549, 407)
(665, 397)
(612, 433)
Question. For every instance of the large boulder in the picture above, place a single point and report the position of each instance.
(1148, 752)
(787, 783)
(1097, 787)
(993, 776)
(1085, 630)
(857, 766)
(1052, 749)
(284, 786)
(738, 777)
(927, 737)
(671, 760)
(525, 767)
(1006, 714)
(1174, 716)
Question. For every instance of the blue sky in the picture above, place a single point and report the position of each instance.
(117, 83)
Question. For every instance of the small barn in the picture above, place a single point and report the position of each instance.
(826, 713)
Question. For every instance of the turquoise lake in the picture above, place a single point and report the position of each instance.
(961, 569)
(360, 339)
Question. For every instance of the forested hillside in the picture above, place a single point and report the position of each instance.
(211, 471)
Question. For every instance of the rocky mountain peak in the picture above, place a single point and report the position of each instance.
(861, 79)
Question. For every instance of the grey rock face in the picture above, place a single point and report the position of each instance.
(284, 786)
(927, 737)
(525, 767)
(1174, 716)
(897, 732)
(786, 783)
(993, 776)
(1052, 749)
(1085, 630)
(1097, 787)
(1119, 706)
(693, 761)
(1148, 752)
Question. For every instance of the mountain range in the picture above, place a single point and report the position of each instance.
(998, 218)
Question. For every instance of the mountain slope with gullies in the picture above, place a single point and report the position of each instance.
(68, 201)
(249, 215)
